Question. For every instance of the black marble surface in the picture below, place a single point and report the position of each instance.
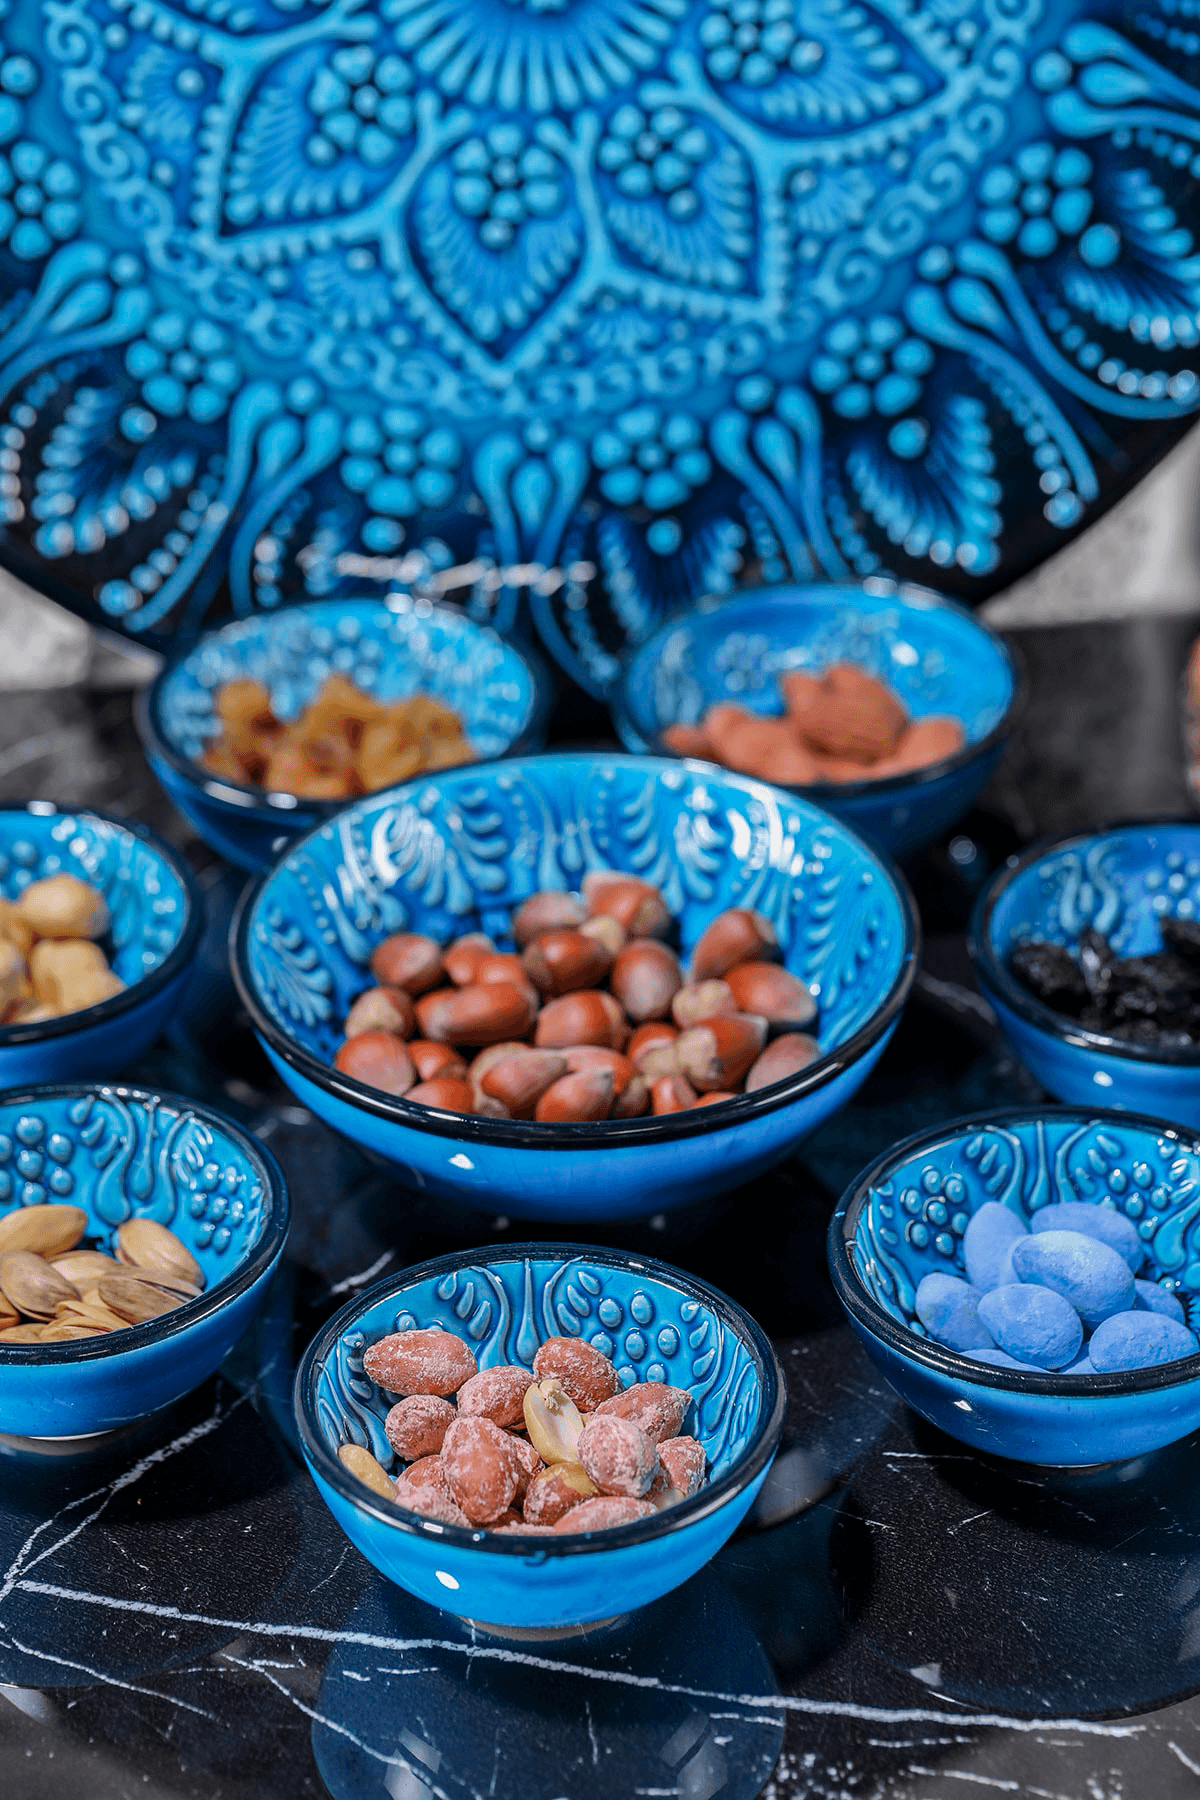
(180, 1618)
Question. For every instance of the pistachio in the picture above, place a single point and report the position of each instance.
(9, 1315)
(135, 1301)
(50, 1332)
(49, 1231)
(156, 1254)
(90, 1310)
(83, 1268)
(34, 1287)
(553, 1421)
(361, 1463)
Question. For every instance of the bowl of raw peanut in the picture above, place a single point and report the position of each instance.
(99, 925)
(577, 987)
(540, 1436)
(266, 726)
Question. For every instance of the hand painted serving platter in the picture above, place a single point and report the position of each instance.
(575, 309)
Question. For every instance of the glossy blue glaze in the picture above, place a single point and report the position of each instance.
(459, 851)
(1121, 881)
(656, 1324)
(157, 917)
(906, 1216)
(934, 656)
(392, 649)
(124, 1153)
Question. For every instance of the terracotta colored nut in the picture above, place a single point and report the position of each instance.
(717, 1098)
(618, 1024)
(495, 1053)
(766, 748)
(671, 1094)
(702, 1000)
(733, 937)
(603, 1513)
(62, 906)
(409, 961)
(684, 1461)
(523, 1530)
(423, 1488)
(420, 1362)
(773, 993)
(496, 1394)
(560, 962)
(485, 1107)
(634, 904)
(531, 1463)
(547, 911)
(618, 1456)
(449, 1092)
(462, 958)
(577, 1099)
(926, 741)
(859, 717)
(782, 1057)
(380, 1009)
(645, 979)
(415, 1427)
(584, 1017)
(378, 1060)
(432, 1060)
(634, 1101)
(630, 1090)
(648, 1038)
(475, 1014)
(606, 931)
(555, 1491)
(520, 1080)
(720, 1052)
(654, 1407)
(688, 740)
(501, 966)
(481, 1468)
(585, 1376)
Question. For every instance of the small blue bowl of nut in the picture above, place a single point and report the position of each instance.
(1029, 1281)
(540, 1436)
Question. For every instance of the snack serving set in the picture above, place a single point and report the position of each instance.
(584, 988)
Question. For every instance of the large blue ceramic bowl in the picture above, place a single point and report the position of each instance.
(392, 648)
(157, 918)
(458, 851)
(906, 1216)
(656, 1323)
(124, 1153)
(1122, 881)
(934, 655)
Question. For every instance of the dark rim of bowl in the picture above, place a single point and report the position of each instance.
(527, 1133)
(155, 1331)
(875, 1319)
(832, 791)
(747, 1465)
(262, 806)
(138, 991)
(993, 974)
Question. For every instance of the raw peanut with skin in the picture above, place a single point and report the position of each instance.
(618, 1455)
(720, 1052)
(379, 1060)
(381, 1009)
(448, 1092)
(671, 1094)
(656, 1408)
(520, 1080)
(577, 1099)
(481, 1468)
(702, 1000)
(555, 1491)
(423, 1488)
(586, 1377)
(462, 958)
(547, 911)
(432, 1060)
(602, 1513)
(645, 979)
(62, 906)
(684, 1461)
(415, 1427)
(475, 1014)
(737, 936)
(420, 1362)
(560, 962)
(773, 994)
(688, 740)
(578, 1018)
(634, 904)
(782, 1057)
(363, 1466)
(606, 931)
(497, 1394)
(408, 960)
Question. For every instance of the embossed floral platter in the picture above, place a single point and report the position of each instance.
(574, 310)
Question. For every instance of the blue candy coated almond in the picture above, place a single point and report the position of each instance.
(1000, 1359)
(1033, 1323)
(949, 1310)
(1082, 1365)
(1092, 1277)
(1152, 1298)
(990, 1235)
(1137, 1340)
(1102, 1222)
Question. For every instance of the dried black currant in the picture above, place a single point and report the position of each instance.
(1051, 973)
(1183, 937)
(1097, 962)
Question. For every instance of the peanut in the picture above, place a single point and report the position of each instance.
(617, 1455)
(12, 975)
(684, 1462)
(482, 1471)
(653, 1406)
(497, 1394)
(363, 1466)
(555, 1491)
(415, 1427)
(15, 929)
(765, 748)
(603, 1513)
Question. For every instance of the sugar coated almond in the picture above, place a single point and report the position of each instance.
(618, 1455)
(420, 1362)
(497, 1394)
(416, 1426)
(684, 1461)
(658, 1409)
(587, 1377)
(603, 1513)
(482, 1470)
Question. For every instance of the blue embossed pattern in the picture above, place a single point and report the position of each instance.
(390, 651)
(504, 1310)
(661, 289)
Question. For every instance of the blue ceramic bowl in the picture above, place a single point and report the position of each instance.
(656, 1323)
(392, 648)
(934, 655)
(123, 1153)
(1122, 881)
(458, 851)
(905, 1217)
(157, 918)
